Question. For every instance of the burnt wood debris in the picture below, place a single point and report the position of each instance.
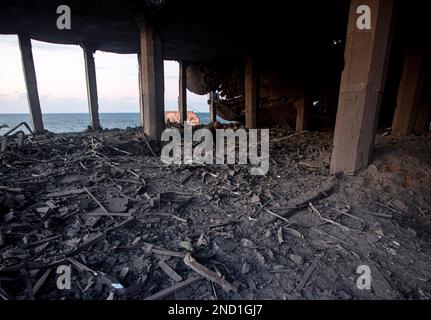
(344, 88)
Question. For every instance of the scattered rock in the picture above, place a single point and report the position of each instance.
(246, 268)
(399, 205)
(117, 205)
(186, 245)
(255, 199)
(295, 258)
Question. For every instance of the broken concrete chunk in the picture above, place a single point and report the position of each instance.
(295, 258)
(186, 245)
(246, 268)
(380, 232)
(248, 243)
(19, 198)
(51, 204)
(43, 211)
(117, 205)
(92, 221)
(255, 199)
(399, 205)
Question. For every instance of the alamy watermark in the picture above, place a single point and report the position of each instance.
(225, 147)
(364, 280)
(64, 21)
(64, 277)
(363, 22)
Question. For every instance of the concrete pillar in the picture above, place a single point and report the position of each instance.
(31, 83)
(301, 114)
(251, 93)
(90, 76)
(362, 85)
(141, 91)
(423, 119)
(409, 93)
(182, 100)
(152, 81)
(213, 111)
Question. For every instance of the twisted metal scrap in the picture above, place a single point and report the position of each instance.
(10, 134)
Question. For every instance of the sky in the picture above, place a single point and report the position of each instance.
(61, 80)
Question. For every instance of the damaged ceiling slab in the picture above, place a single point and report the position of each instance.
(191, 30)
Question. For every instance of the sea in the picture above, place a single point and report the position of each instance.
(78, 122)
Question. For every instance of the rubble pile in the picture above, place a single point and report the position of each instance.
(130, 227)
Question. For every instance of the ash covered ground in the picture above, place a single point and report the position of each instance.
(131, 227)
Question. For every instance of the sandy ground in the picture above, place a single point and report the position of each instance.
(53, 211)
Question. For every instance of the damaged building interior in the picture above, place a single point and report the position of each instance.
(349, 181)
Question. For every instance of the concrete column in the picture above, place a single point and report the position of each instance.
(251, 93)
(424, 117)
(31, 83)
(424, 114)
(362, 84)
(90, 76)
(409, 93)
(213, 111)
(301, 114)
(152, 81)
(141, 91)
(182, 100)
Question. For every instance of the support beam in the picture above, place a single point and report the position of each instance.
(90, 76)
(423, 119)
(251, 92)
(213, 111)
(141, 91)
(362, 84)
(301, 114)
(31, 83)
(182, 99)
(409, 93)
(152, 81)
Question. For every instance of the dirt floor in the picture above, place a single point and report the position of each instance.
(125, 223)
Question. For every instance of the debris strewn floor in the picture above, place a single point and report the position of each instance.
(133, 228)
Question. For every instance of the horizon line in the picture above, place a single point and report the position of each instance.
(116, 112)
